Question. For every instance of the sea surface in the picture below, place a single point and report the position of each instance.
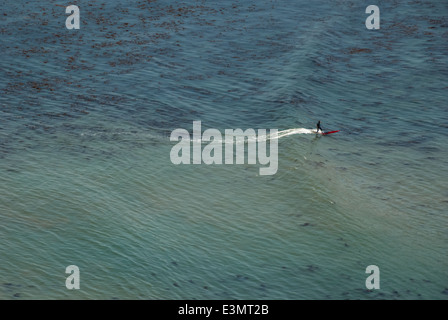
(86, 177)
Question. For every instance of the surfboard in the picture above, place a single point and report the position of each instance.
(330, 132)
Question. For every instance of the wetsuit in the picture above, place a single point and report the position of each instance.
(319, 128)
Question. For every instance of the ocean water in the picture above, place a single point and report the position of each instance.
(87, 180)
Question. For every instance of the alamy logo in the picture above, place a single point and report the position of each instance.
(213, 152)
(72, 22)
(373, 280)
(72, 281)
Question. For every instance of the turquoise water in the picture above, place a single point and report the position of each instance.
(86, 176)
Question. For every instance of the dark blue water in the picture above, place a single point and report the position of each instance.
(85, 169)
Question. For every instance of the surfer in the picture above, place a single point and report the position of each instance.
(319, 127)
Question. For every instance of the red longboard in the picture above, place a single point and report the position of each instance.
(330, 132)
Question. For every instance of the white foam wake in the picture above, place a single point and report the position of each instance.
(243, 139)
(270, 136)
(289, 132)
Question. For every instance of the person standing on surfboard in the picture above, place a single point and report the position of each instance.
(319, 127)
